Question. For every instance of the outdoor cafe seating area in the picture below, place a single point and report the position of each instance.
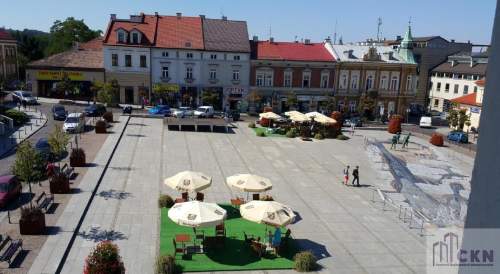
(241, 234)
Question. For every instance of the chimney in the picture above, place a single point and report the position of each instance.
(452, 40)
(224, 18)
(202, 16)
(398, 38)
(271, 40)
(112, 17)
(179, 15)
(307, 41)
(255, 38)
(156, 14)
(328, 40)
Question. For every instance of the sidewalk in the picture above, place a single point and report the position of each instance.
(18, 135)
(78, 102)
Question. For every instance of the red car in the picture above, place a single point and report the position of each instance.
(10, 188)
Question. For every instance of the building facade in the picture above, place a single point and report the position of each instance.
(9, 68)
(288, 75)
(456, 77)
(473, 104)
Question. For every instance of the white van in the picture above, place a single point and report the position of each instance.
(75, 122)
(426, 121)
(204, 112)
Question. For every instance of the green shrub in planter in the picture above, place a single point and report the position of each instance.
(19, 117)
(104, 258)
(165, 201)
(108, 116)
(77, 158)
(319, 136)
(292, 133)
(305, 261)
(261, 134)
(165, 264)
(342, 137)
(100, 126)
(32, 221)
(251, 125)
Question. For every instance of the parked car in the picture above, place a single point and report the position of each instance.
(458, 136)
(42, 146)
(10, 188)
(75, 122)
(235, 114)
(95, 110)
(353, 120)
(425, 121)
(59, 112)
(204, 112)
(160, 110)
(23, 96)
(183, 112)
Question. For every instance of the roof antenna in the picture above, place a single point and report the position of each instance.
(379, 30)
(270, 32)
(221, 12)
(335, 33)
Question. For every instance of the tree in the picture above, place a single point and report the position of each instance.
(104, 258)
(463, 118)
(453, 118)
(330, 105)
(58, 141)
(107, 93)
(28, 166)
(210, 97)
(292, 101)
(65, 85)
(64, 33)
(166, 90)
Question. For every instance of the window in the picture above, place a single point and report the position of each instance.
(369, 82)
(260, 80)
(128, 60)
(189, 73)
(135, 38)
(354, 82)
(164, 54)
(455, 89)
(236, 75)
(394, 83)
(438, 86)
(114, 60)
(409, 83)
(383, 82)
(189, 55)
(143, 61)
(436, 102)
(236, 58)
(213, 74)
(475, 89)
(213, 56)
(287, 79)
(306, 79)
(121, 37)
(268, 81)
(343, 81)
(447, 87)
(324, 80)
(164, 72)
(466, 89)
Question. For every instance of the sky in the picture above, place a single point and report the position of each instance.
(285, 20)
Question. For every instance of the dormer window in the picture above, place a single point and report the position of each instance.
(121, 36)
(135, 38)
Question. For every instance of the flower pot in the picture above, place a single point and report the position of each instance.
(59, 185)
(77, 158)
(34, 224)
(100, 127)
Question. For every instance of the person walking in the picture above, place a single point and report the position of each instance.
(394, 141)
(398, 137)
(24, 104)
(353, 127)
(355, 175)
(346, 175)
(406, 140)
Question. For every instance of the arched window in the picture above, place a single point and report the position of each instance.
(369, 82)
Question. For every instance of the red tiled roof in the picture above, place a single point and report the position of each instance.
(72, 59)
(469, 99)
(183, 32)
(94, 44)
(481, 82)
(147, 28)
(292, 51)
(5, 35)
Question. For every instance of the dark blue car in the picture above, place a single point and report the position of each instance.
(160, 110)
(457, 136)
(95, 110)
(42, 146)
(59, 112)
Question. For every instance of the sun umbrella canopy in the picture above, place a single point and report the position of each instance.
(325, 120)
(197, 214)
(292, 113)
(270, 116)
(249, 183)
(297, 116)
(189, 181)
(267, 212)
(313, 114)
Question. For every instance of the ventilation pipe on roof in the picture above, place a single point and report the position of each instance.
(179, 15)
(202, 16)
(328, 40)
(112, 17)
(307, 41)
(255, 38)
(156, 14)
(271, 40)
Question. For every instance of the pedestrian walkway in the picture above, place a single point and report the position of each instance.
(17, 135)
(55, 246)
(78, 102)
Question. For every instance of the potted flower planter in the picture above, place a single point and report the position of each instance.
(100, 126)
(59, 184)
(32, 221)
(77, 158)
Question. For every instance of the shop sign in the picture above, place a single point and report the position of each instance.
(58, 75)
(475, 110)
(234, 90)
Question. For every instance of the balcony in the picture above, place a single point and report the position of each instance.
(388, 93)
(213, 81)
(165, 79)
(345, 92)
(235, 82)
(189, 80)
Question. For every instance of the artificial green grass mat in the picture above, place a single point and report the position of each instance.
(235, 255)
(264, 129)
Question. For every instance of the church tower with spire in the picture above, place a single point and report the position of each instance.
(406, 48)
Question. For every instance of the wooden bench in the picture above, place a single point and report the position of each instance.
(68, 171)
(8, 253)
(44, 201)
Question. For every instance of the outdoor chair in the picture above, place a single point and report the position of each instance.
(220, 230)
(200, 196)
(198, 236)
(181, 250)
(248, 239)
(258, 248)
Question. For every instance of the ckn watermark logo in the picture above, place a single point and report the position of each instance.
(449, 252)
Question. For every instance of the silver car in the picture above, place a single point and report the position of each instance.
(183, 112)
(23, 97)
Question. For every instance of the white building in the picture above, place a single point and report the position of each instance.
(456, 78)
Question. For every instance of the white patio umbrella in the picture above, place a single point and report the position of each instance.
(323, 119)
(197, 214)
(297, 116)
(270, 116)
(249, 182)
(313, 114)
(292, 113)
(189, 181)
(267, 212)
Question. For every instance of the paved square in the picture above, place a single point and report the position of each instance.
(339, 224)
